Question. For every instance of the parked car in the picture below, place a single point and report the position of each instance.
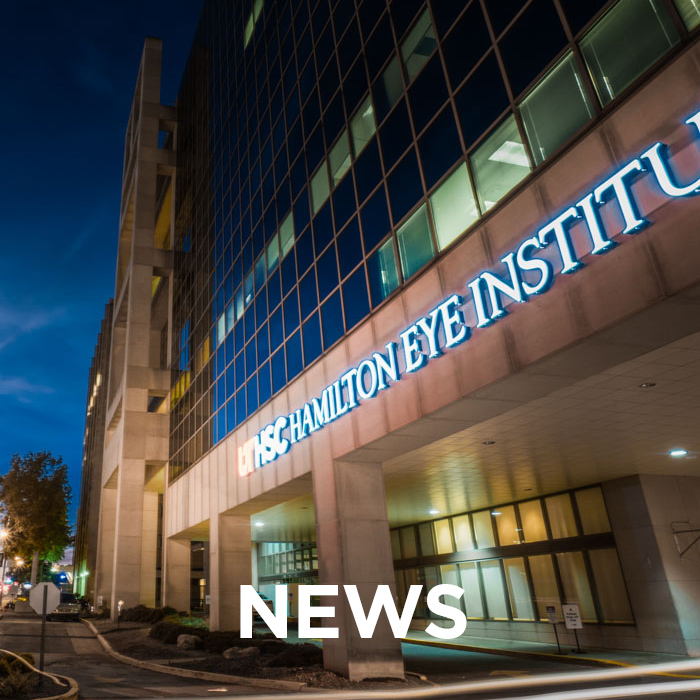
(68, 609)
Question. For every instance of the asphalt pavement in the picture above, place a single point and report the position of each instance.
(72, 650)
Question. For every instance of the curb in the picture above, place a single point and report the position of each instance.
(70, 694)
(200, 675)
(538, 656)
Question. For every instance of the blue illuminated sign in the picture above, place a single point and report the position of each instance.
(444, 326)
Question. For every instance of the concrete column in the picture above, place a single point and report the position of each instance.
(176, 574)
(105, 547)
(149, 548)
(354, 547)
(128, 537)
(229, 568)
(664, 588)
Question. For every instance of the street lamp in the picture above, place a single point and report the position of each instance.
(4, 534)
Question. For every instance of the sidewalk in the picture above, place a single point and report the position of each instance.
(544, 651)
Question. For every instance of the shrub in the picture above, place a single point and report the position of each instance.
(141, 613)
(168, 631)
(217, 642)
(17, 680)
(296, 655)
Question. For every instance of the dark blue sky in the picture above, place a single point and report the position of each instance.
(67, 73)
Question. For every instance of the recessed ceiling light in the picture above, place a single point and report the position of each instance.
(488, 442)
(434, 512)
(259, 524)
(647, 385)
(496, 512)
(678, 453)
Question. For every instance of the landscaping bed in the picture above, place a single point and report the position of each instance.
(263, 656)
(19, 682)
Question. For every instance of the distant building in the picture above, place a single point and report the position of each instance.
(84, 552)
(408, 293)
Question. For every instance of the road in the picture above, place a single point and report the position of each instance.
(71, 649)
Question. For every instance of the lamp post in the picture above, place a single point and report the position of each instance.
(3, 538)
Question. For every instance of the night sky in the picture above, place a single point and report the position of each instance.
(67, 74)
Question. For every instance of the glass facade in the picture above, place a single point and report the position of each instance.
(514, 560)
(329, 149)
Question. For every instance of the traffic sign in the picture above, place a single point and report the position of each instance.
(36, 597)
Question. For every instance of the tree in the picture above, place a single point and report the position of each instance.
(34, 495)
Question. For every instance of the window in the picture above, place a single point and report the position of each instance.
(273, 253)
(494, 589)
(576, 587)
(591, 508)
(339, 158)
(555, 108)
(469, 576)
(408, 542)
(320, 189)
(463, 533)
(395, 545)
(483, 529)
(443, 536)
(690, 12)
(383, 273)
(252, 20)
(626, 41)
(418, 46)
(499, 164)
(506, 525)
(362, 126)
(239, 302)
(389, 87)
(260, 272)
(415, 243)
(248, 289)
(286, 235)
(561, 516)
(220, 329)
(427, 543)
(454, 208)
(545, 584)
(532, 521)
(518, 589)
(612, 592)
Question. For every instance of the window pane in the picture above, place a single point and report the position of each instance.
(395, 544)
(448, 574)
(273, 253)
(239, 302)
(248, 289)
(506, 525)
(532, 521)
(591, 509)
(443, 536)
(260, 272)
(383, 273)
(454, 208)
(483, 529)
(286, 235)
(391, 85)
(518, 589)
(555, 108)
(561, 516)
(339, 158)
(545, 584)
(499, 164)
(472, 591)
(415, 243)
(612, 592)
(576, 587)
(362, 126)
(494, 590)
(427, 543)
(408, 542)
(632, 36)
(690, 12)
(418, 46)
(463, 533)
(319, 187)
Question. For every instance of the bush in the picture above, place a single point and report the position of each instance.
(168, 631)
(103, 614)
(17, 680)
(217, 642)
(141, 613)
(296, 655)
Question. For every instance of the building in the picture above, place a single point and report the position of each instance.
(408, 293)
(85, 546)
